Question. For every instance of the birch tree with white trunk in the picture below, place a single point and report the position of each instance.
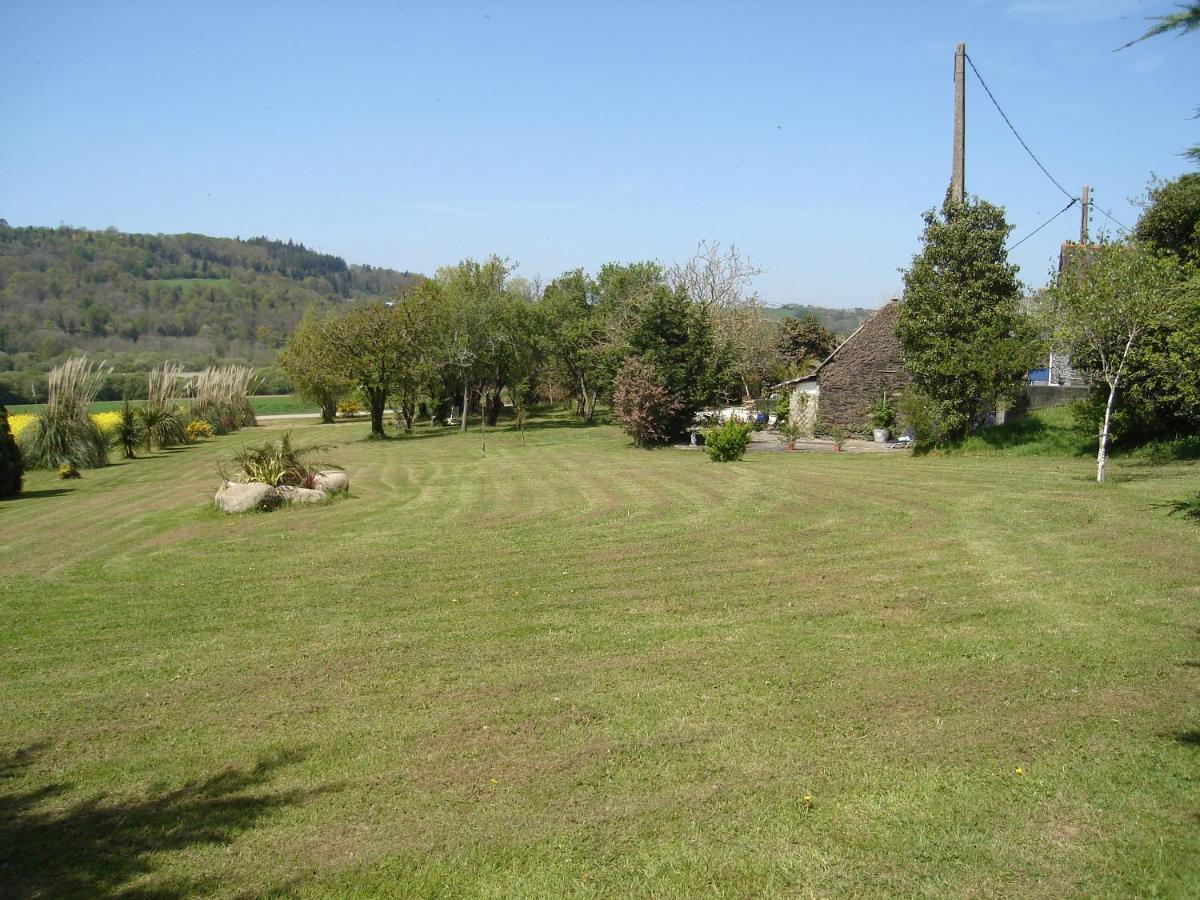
(1102, 301)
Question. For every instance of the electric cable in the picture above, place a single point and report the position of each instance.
(1017, 135)
(1074, 200)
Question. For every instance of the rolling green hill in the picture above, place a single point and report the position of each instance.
(136, 300)
(840, 321)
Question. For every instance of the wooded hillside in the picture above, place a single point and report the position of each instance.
(138, 299)
(841, 322)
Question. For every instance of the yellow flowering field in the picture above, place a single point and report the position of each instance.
(107, 421)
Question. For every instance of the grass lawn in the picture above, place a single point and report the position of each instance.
(577, 669)
(275, 404)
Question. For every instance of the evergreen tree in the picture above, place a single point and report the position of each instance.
(11, 465)
(963, 336)
(675, 336)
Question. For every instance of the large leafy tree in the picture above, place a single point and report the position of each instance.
(311, 366)
(1160, 388)
(963, 336)
(376, 349)
(471, 296)
(574, 330)
(1102, 304)
(1170, 220)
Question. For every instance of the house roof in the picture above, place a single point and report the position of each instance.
(812, 376)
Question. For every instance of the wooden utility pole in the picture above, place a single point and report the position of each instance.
(958, 178)
(1085, 200)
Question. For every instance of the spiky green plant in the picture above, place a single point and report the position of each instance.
(161, 427)
(278, 462)
(65, 433)
(12, 467)
(129, 433)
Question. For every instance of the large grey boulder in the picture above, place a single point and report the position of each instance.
(301, 495)
(234, 497)
(332, 482)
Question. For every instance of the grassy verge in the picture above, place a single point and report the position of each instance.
(1058, 432)
(577, 669)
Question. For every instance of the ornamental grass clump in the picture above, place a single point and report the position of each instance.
(65, 434)
(279, 463)
(222, 397)
(164, 421)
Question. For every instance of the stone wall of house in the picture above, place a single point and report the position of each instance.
(868, 365)
(802, 406)
(1062, 373)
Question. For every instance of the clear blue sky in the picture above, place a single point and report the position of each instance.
(412, 134)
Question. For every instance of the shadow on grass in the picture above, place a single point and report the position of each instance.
(1185, 509)
(44, 492)
(563, 420)
(1191, 738)
(505, 425)
(95, 847)
(399, 436)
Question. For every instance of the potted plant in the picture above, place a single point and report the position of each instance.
(883, 417)
(790, 431)
(839, 435)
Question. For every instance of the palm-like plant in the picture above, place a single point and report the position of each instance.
(129, 433)
(161, 426)
(278, 462)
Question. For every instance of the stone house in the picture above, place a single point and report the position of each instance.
(865, 366)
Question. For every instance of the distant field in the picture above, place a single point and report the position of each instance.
(279, 404)
(572, 668)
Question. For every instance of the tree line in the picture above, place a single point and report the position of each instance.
(476, 336)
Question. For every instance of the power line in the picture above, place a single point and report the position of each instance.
(1111, 219)
(1012, 128)
(1074, 200)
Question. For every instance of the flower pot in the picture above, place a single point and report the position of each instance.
(789, 445)
(881, 435)
(837, 448)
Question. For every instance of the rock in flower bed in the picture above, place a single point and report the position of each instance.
(274, 473)
(235, 497)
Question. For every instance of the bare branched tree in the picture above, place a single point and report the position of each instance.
(721, 280)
